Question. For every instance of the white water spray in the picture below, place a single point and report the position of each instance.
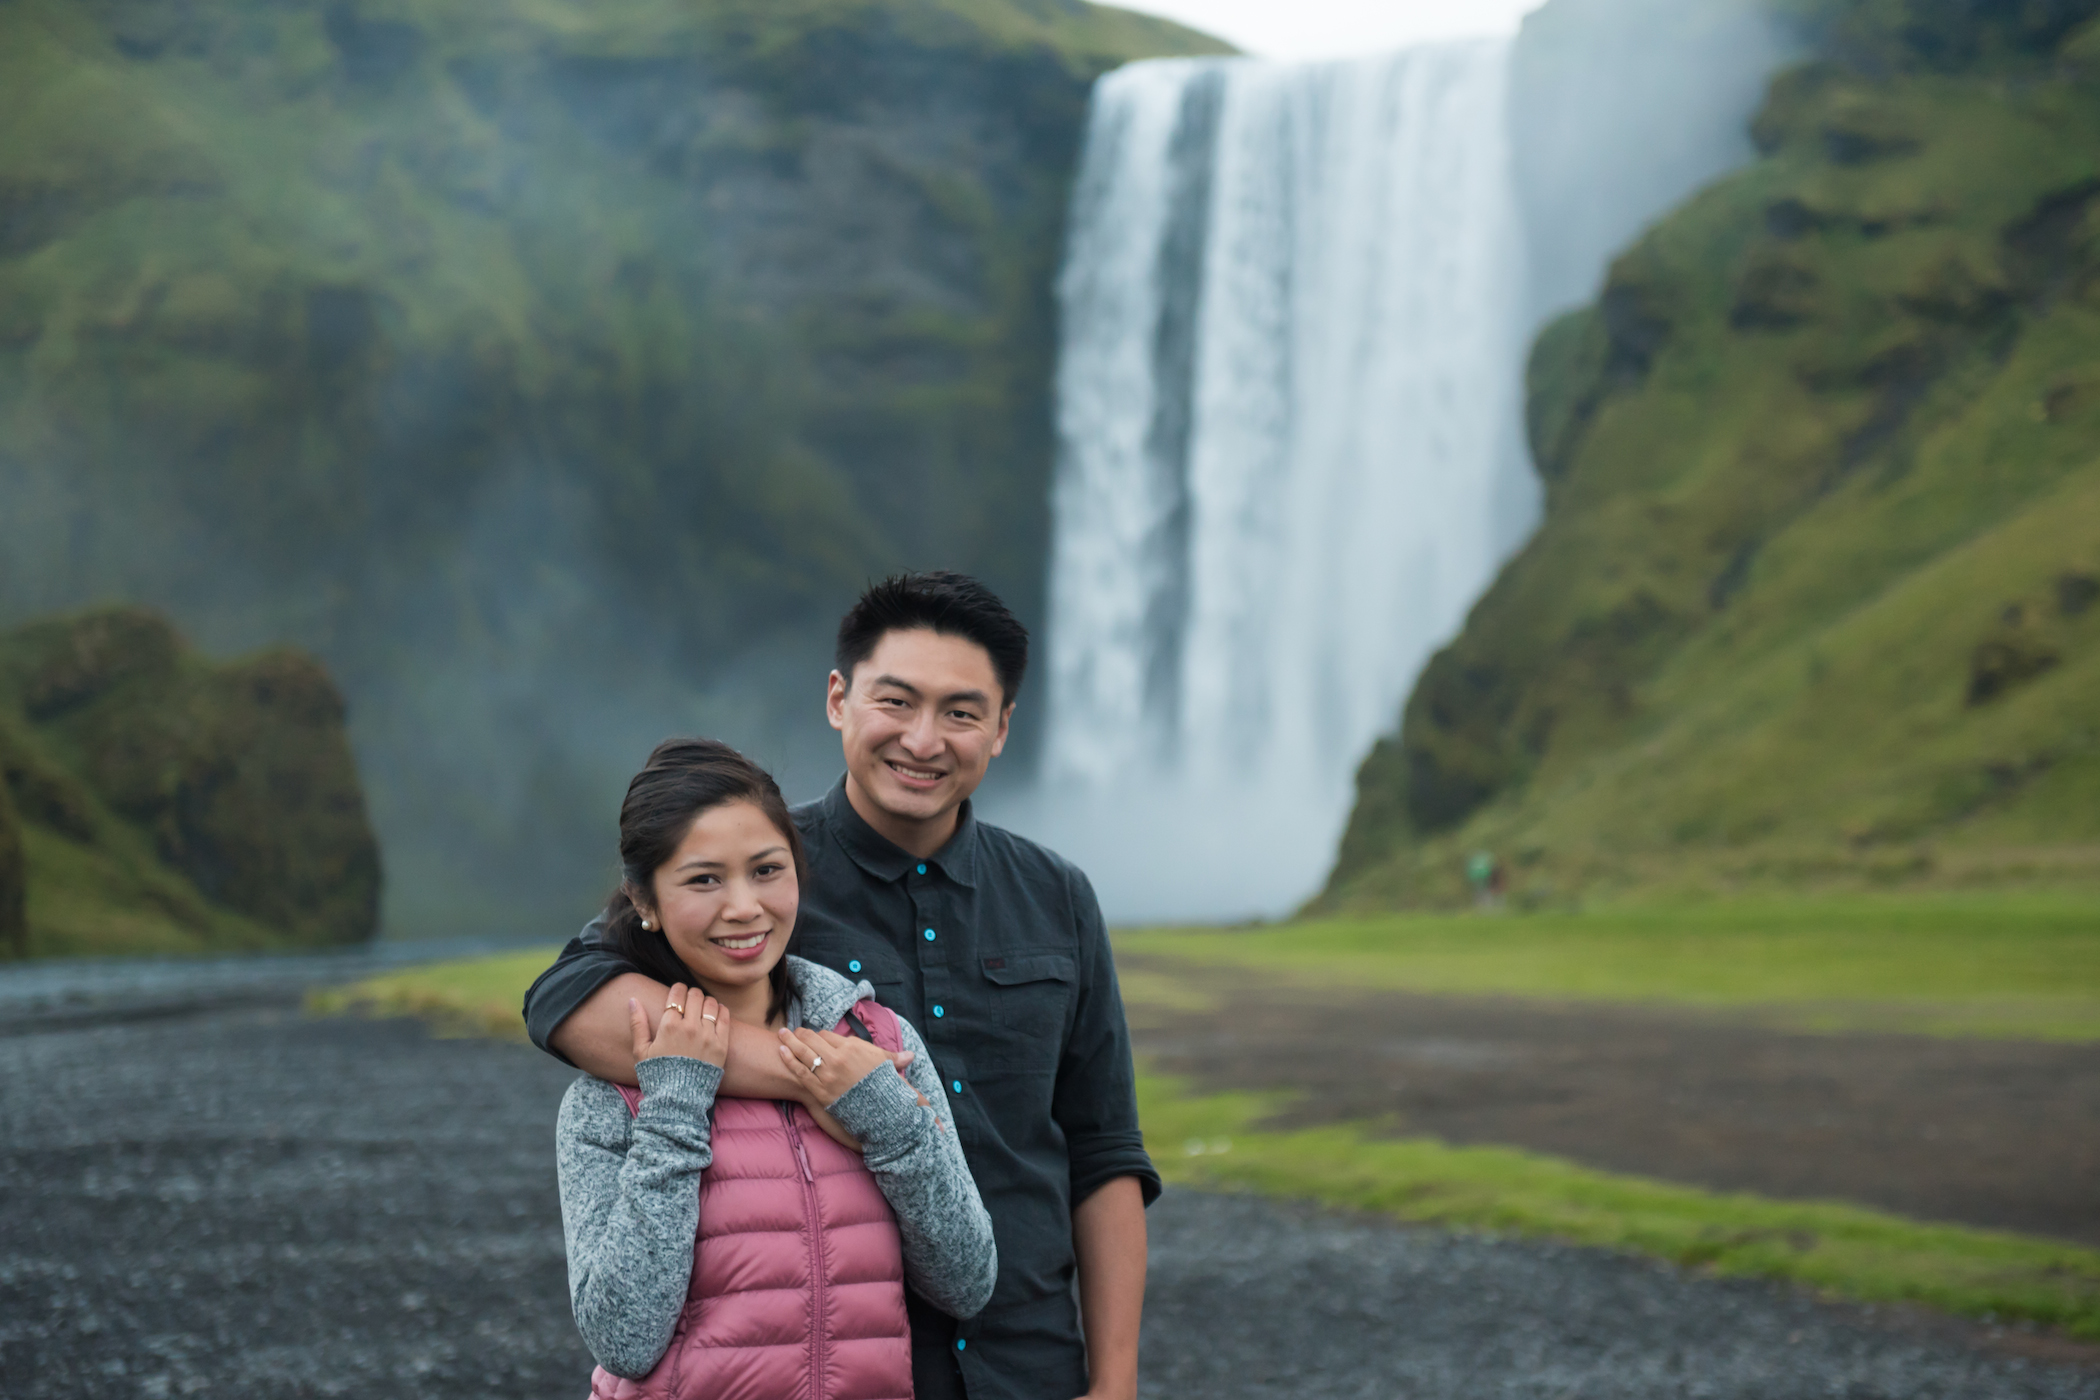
(1289, 455)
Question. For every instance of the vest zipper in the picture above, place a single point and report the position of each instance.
(816, 1257)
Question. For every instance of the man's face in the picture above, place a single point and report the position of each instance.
(922, 720)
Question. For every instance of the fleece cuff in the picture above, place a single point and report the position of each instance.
(884, 1113)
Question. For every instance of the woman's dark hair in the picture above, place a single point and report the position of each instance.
(682, 779)
(950, 603)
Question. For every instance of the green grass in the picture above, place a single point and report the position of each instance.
(1719, 954)
(472, 996)
(1839, 1249)
(2025, 967)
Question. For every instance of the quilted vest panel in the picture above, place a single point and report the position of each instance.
(798, 1271)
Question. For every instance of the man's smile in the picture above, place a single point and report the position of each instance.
(914, 775)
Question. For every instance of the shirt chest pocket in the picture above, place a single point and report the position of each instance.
(1029, 999)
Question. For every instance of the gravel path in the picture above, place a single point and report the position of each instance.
(247, 1203)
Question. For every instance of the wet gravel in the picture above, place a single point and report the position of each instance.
(1249, 1298)
(244, 1202)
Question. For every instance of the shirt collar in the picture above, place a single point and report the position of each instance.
(887, 861)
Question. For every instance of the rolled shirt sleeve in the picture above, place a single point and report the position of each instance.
(583, 966)
(1095, 1102)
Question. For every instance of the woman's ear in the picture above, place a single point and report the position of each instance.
(641, 905)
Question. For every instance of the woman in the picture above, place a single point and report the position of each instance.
(732, 1246)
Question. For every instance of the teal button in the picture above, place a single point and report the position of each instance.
(929, 935)
(922, 871)
(939, 1012)
(956, 1085)
(853, 966)
(960, 1342)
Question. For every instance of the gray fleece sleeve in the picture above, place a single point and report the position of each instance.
(630, 1206)
(949, 1256)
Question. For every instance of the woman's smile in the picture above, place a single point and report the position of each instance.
(743, 946)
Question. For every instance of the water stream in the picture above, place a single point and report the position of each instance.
(1290, 454)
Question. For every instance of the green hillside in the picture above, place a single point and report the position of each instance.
(1815, 596)
(152, 801)
(527, 360)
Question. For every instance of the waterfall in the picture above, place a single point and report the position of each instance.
(1289, 458)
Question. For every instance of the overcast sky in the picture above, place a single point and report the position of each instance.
(1337, 28)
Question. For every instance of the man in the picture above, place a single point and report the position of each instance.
(995, 949)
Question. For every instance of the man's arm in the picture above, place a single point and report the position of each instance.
(598, 1039)
(1095, 1102)
(1108, 1236)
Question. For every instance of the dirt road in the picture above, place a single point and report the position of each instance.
(1995, 1133)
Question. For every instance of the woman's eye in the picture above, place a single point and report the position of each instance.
(765, 870)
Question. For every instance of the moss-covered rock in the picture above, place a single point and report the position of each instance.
(157, 801)
(1817, 465)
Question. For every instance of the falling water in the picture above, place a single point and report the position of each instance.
(1289, 460)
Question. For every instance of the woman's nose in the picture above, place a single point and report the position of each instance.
(743, 900)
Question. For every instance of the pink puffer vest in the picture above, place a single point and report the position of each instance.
(798, 1272)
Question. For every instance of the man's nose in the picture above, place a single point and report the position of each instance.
(923, 738)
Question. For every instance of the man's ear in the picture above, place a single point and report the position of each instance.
(1006, 719)
(835, 700)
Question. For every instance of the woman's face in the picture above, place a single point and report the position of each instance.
(727, 896)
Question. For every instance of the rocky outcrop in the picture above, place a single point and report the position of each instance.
(159, 801)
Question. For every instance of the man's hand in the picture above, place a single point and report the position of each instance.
(697, 1028)
(598, 1038)
(1108, 1235)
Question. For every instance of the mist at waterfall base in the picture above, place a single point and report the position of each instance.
(1295, 305)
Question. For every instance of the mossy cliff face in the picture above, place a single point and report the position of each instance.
(1814, 596)
(159, 802)
(557, 372)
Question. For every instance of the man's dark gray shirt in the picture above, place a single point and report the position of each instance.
(995, 949)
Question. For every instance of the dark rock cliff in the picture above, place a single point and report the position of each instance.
(554, 371)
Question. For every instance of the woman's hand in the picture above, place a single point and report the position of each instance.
(693, 1025)
(827, 1064)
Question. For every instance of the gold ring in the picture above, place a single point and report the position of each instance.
(671, 1006)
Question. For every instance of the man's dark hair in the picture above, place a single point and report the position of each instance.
(955, 605)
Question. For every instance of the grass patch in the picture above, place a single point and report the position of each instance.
(472, 996)
(1842, 1250)
(2022, 967)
